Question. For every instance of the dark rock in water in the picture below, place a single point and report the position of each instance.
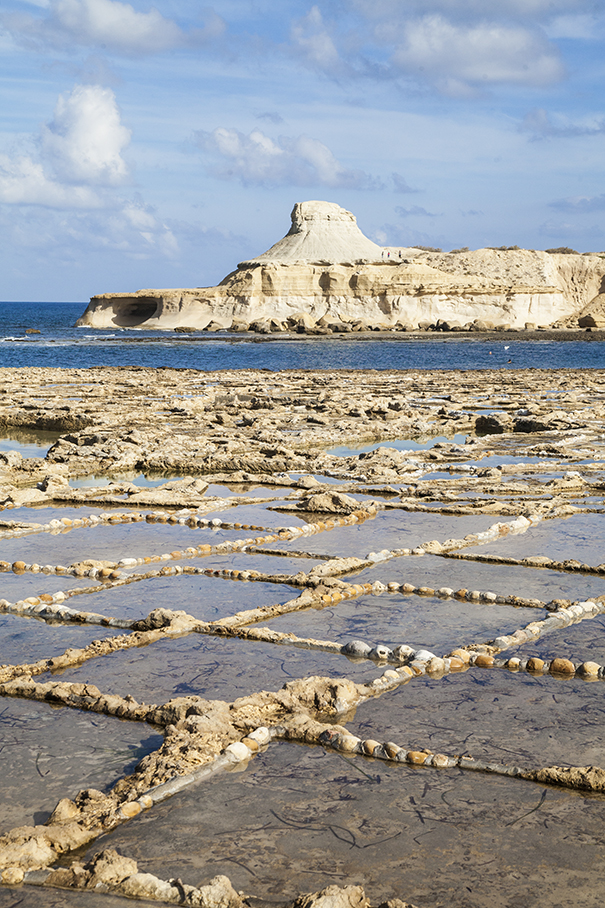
(530, 425)
(493, 424)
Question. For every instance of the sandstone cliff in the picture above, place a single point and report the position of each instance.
(325, 272)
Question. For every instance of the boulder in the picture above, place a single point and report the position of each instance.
(493, 424)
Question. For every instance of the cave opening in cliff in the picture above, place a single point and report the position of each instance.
(133, 313)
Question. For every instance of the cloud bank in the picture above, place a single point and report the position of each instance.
(79, 153)
(76, 168)
(256, 159)
(111, 25)
(457, 58)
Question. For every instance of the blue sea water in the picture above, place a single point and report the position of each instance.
(63, 345)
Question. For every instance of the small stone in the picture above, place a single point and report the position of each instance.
(147, 886)
(456, 664)
(462, 654)
(441, 760)
(435, 665)
(591, 669)
(380, 653)
(18, 567)
(357, 648)
(261, 734)
(12, 875)
(347, 743)
(369, 746)
(484, 661)
(391, 750)
(424, 655)
(64, 811)
(562, 667)
(514, 664)
(237, 752)
(534, 664)
(251, 744)
(131, 809)
(403, 653)
(416, 756)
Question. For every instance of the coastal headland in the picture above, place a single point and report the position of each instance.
(325, 276)
(317, 631)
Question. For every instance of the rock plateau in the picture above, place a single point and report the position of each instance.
(326, 276)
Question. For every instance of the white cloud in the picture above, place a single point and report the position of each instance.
(117, 25)
(470, 8)
(85, 139)
(78, 155)
(583, 27)
(108, 24)
(458, 58)
(580, 204)
(542, 125)
(70, 184)
(257, 159)
(310, 36)
(23, 181)
(414, 211)
(131, 229)
(136, 230)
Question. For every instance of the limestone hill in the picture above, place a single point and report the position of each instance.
(325, 275)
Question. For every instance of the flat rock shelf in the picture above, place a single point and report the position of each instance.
(315, 638)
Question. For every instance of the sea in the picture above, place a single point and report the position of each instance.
(61, 344)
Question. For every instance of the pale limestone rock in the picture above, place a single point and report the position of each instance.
(325, 270)
(322, 232)
(333, 897)
(148, 886)
(218, 893)
(593, 315)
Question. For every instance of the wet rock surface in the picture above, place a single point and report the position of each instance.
(171, 488)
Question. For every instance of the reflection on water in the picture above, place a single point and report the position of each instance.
(27, 442)
(400, 444)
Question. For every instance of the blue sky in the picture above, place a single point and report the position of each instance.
(158, 146)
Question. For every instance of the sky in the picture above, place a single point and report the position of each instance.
(159, 145)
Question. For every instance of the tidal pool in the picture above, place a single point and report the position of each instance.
(298, 818)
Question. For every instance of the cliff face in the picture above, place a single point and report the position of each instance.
(326, 269)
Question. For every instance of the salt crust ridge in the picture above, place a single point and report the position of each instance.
(325, 271)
